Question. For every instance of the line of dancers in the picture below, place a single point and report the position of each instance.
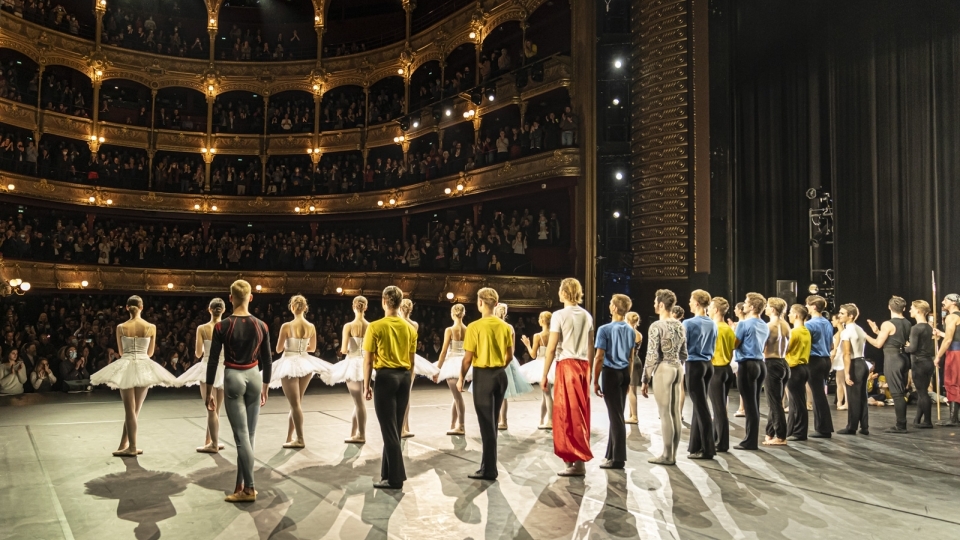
(704, 355)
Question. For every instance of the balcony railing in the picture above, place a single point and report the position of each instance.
(536, 168)
(520, 292)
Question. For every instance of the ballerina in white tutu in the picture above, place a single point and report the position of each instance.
(533, 370)
(421, 366)
(294, 370)
(516, 383)
(134, 372)
(350, 369)
(198, 375)
(450, 364)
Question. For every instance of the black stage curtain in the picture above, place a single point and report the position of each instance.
(864, 99)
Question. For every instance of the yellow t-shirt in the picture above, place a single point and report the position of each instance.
(726, 339)
(392, 341)
(798, 350)
(489, 340)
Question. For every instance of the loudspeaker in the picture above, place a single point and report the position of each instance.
(787, 290)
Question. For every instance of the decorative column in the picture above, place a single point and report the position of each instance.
(213, 15)
(409, 6)
(152, 137)
(318, 28)
(99, 9)
(206, 229)
(208, 151)
(315, 154)
(38, 127)
(583, 17)
(669, 122)
(266, 119)
(95, 139)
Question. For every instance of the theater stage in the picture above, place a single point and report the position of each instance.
(58, 479)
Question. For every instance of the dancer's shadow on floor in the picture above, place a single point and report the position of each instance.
(615, 518)
(143, 495)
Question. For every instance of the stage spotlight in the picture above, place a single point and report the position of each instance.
(616, 101)
(448, 111)
(404, 123)
(259, 288)
(416, 124)
(25, 286)
(813, 289)
(450, 296)
(339, 290)
(491, 92)
(169, 285)
(617, 63)
(619, 175)
(616, 214)
(437, 114)
(476, 97)
(84, 284)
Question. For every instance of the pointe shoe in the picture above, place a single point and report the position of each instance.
(407, 435)
(294, 444)
(545, 426)
(355, 440)
(739, 414)
(459, 431)
(631, 420)
(661, 461)
(842, 407)
(208, 450)
(501, 427)
(125, 452)
(241, 497)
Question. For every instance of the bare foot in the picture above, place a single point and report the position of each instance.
(209, 449)
(294, 444)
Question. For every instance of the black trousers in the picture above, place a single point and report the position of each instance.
(896, 366)
(922, 373)
(857, 395)
(798, 419)
(720, 384)
(698, 375)
(489, 386)
(750, 375)
(391, 392)
(818, 370)
(778, 373)
(614, 384)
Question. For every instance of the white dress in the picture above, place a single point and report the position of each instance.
(296, 363)
(350, 369)
(422, 366)
(533, 370)
(453, 363)
(134, 369)
(198, 373)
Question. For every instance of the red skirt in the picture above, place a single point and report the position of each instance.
(571, 411)
(951, 375)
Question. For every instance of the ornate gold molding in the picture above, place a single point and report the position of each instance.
(521, 292)
(49, 47)
(540, 167)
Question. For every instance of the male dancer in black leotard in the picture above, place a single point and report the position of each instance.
(891, 337)
(245, 342)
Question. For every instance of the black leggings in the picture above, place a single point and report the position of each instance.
(698, 375)
(896, 365)
(750, 375)
(723, 379)
(799, 418)
(857, 414)
(922, 373)
(391, 392)
(818, 370)
(778, 373)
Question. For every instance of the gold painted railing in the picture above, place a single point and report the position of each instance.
(520, 292)
(50, 47)
(542, 167)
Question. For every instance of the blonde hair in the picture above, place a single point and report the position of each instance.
(721, 305)
(632, 318)
(406, 306)
(134, 304)
(500, 311)
(240, 290)
(622, 303)
(360, 303)
(458, 311)
(701, 297)
(778, 305)
(571, 289)
(298, 304)
(922, 306)
(755, 301)
(392, 295)
(489, 296)
(217, 306)
(545, 318)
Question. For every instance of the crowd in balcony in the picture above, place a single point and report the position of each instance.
(55, 342)
(154, 33)
(47, 13)
(250, 44)
(60, 94)
(18, 83)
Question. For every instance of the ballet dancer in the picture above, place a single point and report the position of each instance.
(701, 336)
(777, 372)
(666, 353)
(533, 369)
(244, 341)
(573, 327)
(488, 348)
(818, 369)
(892, 337)
(350, 369)
(636, 369)
(389, 346)
(614, 354)
(421, 366)
(837, 363)
(798, 361)
(921, 349)
(723, 375)
(751, 333)
(134, 372)
(516, 383)
(294, 370)
(451, 358)
(738, 313)
(853, 343)
(198, 373)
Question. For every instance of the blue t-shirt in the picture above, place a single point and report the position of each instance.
(617, 340)
(701, 338)
(752, 334)
(821, 335)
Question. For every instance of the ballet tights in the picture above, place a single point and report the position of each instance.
(456, 408)
(294, 390)
(546, 406)
(359, 426)
(132, 403)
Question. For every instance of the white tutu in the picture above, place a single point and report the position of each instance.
(451, 367)
(198, 374)
(133, 371)
(422, 366)
(350, 369)
(296, 365)
(516, 384)
(532, 371)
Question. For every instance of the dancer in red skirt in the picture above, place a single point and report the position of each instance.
(572, 328)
